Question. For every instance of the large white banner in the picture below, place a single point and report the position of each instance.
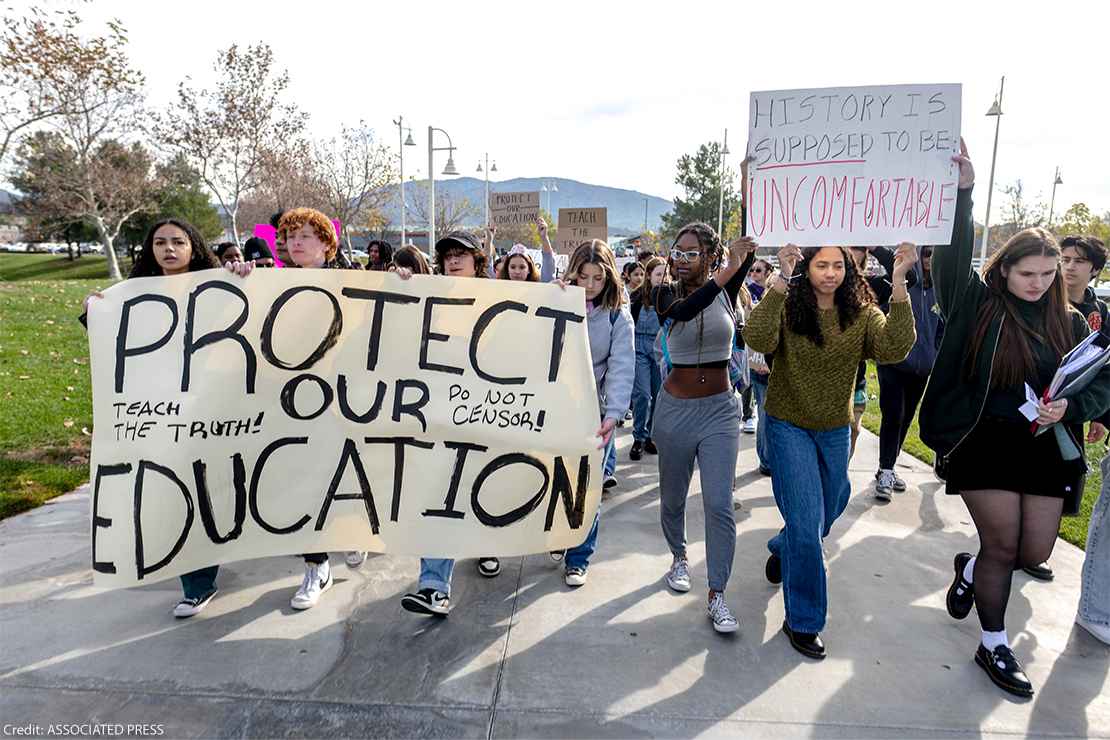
(851, 166)
(300, 411)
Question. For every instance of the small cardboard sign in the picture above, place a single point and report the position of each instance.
(577, 225)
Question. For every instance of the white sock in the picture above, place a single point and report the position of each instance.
(991, 640)
(969, 571)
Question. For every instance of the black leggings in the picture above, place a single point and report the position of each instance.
(746, 403)
(899, 394)
(1015, 531)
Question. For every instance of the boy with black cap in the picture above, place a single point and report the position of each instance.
(258, 250)
(458, 254)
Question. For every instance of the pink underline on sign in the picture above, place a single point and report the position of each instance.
(813, 164)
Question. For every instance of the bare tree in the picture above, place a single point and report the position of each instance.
(1019, 211)
(353, 171)
(104, 183)
(44, 61)
(451, 212)
(227, 133)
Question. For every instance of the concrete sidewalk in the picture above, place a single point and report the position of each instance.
(522, 655)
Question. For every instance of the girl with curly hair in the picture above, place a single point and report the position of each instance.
(696, 411)
(1006, 330)
(819, 318)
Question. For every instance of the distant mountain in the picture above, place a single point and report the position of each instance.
(626, 207)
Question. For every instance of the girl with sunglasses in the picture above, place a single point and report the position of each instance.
(696, 412)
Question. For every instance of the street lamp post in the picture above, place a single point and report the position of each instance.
(554, 188)
(448, 170)
(721, 188)
(487, 170)
(996, 111)
(402, 143)
(1052, 203)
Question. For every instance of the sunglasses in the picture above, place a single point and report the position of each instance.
(678, 254)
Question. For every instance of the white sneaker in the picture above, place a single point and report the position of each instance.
(191, 607)
(718, 611)
(1100, 631)
(355, 558)
(884, 485)
(317, 580)
(749, 426)
(557, 556)
(678, 577)
(575, 576)
(427, 601)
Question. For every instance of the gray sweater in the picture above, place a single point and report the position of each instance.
(613, 351)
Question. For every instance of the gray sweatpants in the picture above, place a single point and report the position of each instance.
(706, 430)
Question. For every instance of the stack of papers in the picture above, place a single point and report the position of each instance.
(1077, 369)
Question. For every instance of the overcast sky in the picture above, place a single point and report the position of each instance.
(612, 93)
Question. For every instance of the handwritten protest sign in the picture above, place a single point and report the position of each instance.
(315, 410)
(853, 165)
(513, 209)
(577, 225)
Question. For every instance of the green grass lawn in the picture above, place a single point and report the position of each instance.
(1072, 528)
(46, 401)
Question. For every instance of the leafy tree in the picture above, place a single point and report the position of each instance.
(179, 194)
(700, 178)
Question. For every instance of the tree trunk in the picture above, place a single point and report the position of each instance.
(109, 251)
(234, 213)
(69, 250)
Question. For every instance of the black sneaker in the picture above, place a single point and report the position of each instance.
(637, 451)
(610, 482)
(808, 644)
(1003, 668)
(1041, 572)
(650, 448)
(773, 569)
(961, 594)
(427, 601)
(191, 607)
(489, 567)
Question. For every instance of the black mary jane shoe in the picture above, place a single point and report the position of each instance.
(1004, 670)
(1041, 571)
(961, 594)
(808, 644)
(773, 569)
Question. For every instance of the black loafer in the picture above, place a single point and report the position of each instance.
(1003, 668)
(636, 452)
(1041, 572)
(773, 570)
(807, 643)
(961, 594)
(650, 448)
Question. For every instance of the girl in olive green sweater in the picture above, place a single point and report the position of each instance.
(821, 321)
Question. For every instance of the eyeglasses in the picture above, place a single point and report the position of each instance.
(678, 254)
(756, 270)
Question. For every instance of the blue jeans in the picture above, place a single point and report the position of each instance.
(1094, 598)
(810, 481)
(579, 557)
(759, 392)
(199, 583)
(436, 573)
(610, 464)
(645, 389)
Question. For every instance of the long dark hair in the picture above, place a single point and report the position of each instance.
(1013, 361)
(385, 254)
(412, 258)
(201, 259)
(801, 299)
(712, 251)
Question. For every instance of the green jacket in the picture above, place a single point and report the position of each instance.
(953, 404)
